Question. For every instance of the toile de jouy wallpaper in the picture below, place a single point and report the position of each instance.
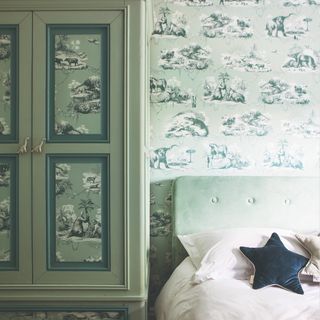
(234, 90)
(55, 315)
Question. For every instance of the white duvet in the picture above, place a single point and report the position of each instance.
(230, 299)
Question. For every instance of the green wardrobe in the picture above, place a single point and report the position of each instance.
(73, 220)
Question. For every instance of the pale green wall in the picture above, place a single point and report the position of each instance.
(200, 39)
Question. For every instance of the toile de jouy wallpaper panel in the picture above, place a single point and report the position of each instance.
(234, 90)
(64, 315)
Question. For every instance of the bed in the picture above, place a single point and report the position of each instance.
(239, 207)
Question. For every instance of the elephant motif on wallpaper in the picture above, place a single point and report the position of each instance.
(162, 91)
(276, 25)
(157, 85)
(159, 156)
(220, 157)
(301, 60)
(190, 57)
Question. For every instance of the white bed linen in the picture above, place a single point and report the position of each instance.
(230, 299)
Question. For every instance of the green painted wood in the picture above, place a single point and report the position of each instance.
(23, 274)
(129, 229)
(138, 162)
(115, 276)
(64, 5)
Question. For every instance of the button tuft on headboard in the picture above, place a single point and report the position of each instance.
(215, 200)
(251, 200)
(287, 202)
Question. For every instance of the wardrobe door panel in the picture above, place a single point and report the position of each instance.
(78, 82)
(80, 230)
(15, 158)
(78, 212)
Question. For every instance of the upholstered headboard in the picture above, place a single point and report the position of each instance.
(201, 203)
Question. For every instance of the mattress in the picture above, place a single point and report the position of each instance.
(230, 299)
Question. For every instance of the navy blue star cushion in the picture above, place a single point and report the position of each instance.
(275, 265)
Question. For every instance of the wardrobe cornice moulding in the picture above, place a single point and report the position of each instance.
(65, 5)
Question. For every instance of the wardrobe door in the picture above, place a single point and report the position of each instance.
(15, 159)
(78, 149)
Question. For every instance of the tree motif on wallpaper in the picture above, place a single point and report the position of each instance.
(5, 46)
(251, 123)
(288, 26)
(277, 91)
(162, 91)
(296, 3)
(302, 60)
(56, 315)
(190, 57)
(170, 24)
(186, 124)
(254, 61)
(68, 55)
(219, 156)
(224, 89)
(160, 223)
(81, 225)
(302, 128)
(283, 156)
(218, 25)
(78, 214)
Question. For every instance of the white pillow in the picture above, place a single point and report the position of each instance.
(216, 254)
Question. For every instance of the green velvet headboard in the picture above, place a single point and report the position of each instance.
(201, 203)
